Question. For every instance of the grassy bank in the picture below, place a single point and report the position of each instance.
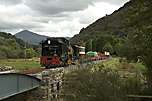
(21, 64)
(111, 80)
(118, 63)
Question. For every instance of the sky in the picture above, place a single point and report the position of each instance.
(54, 18)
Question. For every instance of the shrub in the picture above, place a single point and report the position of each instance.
(101, 84)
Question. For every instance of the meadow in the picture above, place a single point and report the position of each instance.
(21, 64)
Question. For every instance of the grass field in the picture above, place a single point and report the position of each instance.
(24, 64)
(21, 64)
(115, 63)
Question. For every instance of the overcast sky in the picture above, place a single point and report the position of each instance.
(53, 17)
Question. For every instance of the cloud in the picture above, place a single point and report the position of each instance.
(18, 25)
(14, 18)
(53, 17)
(115, 2)
(10, 2)
(92, 13)
(51, 7)
(58, 6)
(71, 23)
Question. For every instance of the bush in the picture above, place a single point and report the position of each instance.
(2, 55)
(30, 52)
(108, 47)
(101, 84)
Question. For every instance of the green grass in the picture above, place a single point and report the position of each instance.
(20, 64)
(115, 63)
(112, 63)
(139, 66)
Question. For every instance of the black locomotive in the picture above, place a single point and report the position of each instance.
(58, 52)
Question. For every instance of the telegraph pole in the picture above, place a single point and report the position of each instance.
(91, 44)
(25, 51)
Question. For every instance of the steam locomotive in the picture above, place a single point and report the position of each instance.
(58, 52)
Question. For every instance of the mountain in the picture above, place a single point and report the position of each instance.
(134, 15)
(30, 37)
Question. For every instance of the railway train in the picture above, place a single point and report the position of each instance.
(58, 52)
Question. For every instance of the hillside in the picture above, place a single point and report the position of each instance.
(30, 37)
(128, 19)
(10, 46)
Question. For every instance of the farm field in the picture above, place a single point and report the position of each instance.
(20, 64)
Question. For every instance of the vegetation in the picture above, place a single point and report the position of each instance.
(20, 64)
(103, 43)
(108, 81)
(12, 52)
(114, 29)
(125, 33)
(12, 47)
(9, 47)
(140, 49)
(30, 52)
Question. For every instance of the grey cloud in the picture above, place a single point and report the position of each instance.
(58, 6)
(52, 7)
(116, 2)
(10, 2)
(5, 25)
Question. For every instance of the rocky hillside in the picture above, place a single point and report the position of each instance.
(30, 37)
(127, 19)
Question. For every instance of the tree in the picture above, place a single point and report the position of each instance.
(88, 46)
(30, 52)
(2, 54)
(94, 45)
(145, 45)
(139, 43)
(104, 39)
(108, 47)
